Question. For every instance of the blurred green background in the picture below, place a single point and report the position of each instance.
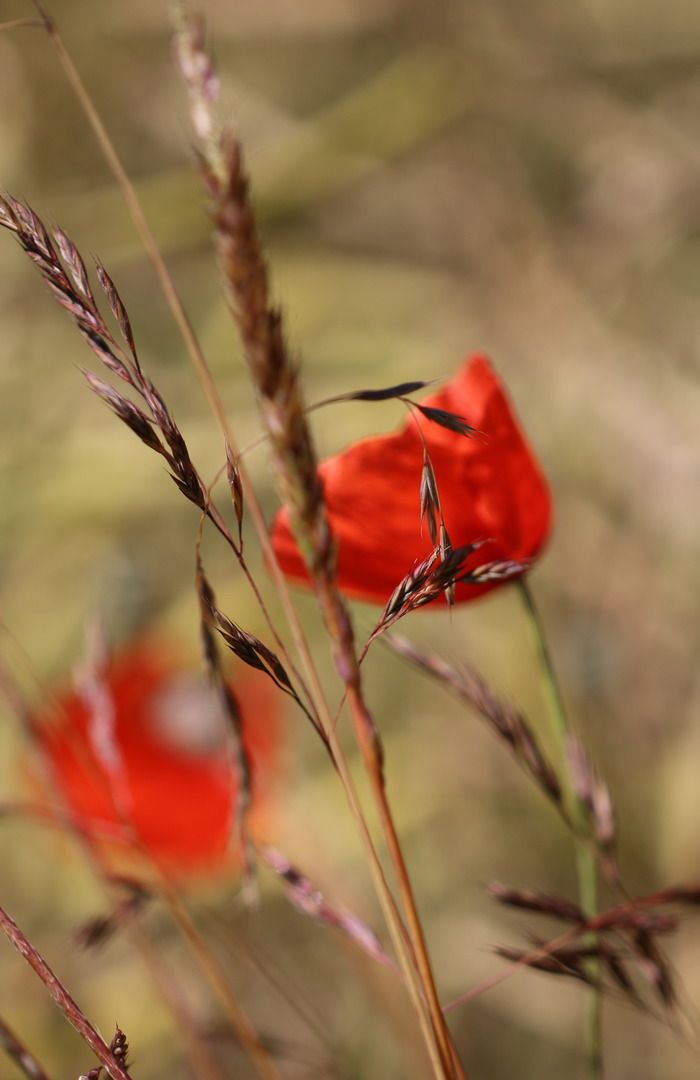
(518, 178)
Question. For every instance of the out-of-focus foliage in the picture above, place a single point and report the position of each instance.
(515, 178)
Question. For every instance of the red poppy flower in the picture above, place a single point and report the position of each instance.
(158, 767)
(490, 487)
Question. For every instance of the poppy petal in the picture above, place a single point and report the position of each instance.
(180, 799)
(490, 485)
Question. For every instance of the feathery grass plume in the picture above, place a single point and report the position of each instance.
(277, 382)
(385, 393)
(622, 938)
(120, 1047)
(429, 497)
(508, 723)
(242, 644)
(446, 419)
(529, 900)
(431, 506)
(18, 1052)
(241, 760)
(275, 376)
(305, 896)
(440, 572)
(561, 960)
(233, 474)
(67, 279)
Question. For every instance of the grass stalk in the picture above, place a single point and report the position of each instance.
(68, 1006)
(20, 1054)
(276, 379)
(190, 340)
(208, 962)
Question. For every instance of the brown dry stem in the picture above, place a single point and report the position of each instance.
(68, 1006)
(276, 379)
(19, 1053)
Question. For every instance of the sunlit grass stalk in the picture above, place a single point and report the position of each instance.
(586, 861)
(277, 383)
(192, 345)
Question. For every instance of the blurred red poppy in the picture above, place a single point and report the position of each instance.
(156, 766)
(490, 485)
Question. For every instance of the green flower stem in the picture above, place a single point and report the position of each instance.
(586, 866)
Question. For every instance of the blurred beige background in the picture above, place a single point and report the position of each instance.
(518, 178)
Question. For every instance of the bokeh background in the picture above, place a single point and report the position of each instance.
(433, 179)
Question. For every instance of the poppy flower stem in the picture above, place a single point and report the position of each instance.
(586, 866)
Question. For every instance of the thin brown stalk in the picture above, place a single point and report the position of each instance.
(276, 380)
(194, 350)
(289, 989)
(68, 1006)
(201, 368)
(281, 405)
(18, 1052)
(15, 24)
(245, 1032)
(521, 964)
(200, 1054)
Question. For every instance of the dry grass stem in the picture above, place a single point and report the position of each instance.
(276, 379)
(71, 288)
(210, 964)
(196, 356)
(70, 1009)
(16, 24)
(20, 1054)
